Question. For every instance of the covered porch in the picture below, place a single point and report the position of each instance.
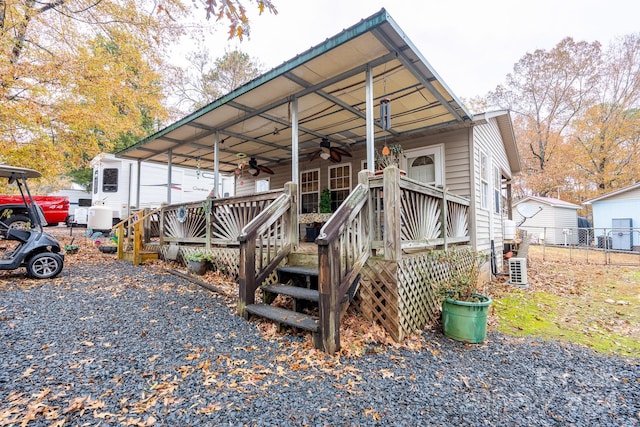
(330, 108)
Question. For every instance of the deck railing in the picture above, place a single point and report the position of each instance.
(343, 248)
(134, 231)
(389, 214)
(265, 241)
(212, 221)
(410, 216)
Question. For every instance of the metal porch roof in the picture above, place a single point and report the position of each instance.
(329, 82)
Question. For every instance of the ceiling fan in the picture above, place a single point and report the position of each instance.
(255, 169)
(327, 152)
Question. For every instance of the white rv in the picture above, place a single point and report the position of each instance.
(118, 184)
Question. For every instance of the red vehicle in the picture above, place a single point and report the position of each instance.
(14, 213)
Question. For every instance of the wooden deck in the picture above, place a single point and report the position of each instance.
(387, 218)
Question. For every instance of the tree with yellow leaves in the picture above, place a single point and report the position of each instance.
(577, 117)
(77, 76)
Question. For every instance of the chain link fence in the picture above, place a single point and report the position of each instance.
(616, 246)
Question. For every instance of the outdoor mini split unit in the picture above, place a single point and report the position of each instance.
(518, 272)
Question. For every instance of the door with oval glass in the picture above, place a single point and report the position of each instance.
(425, 164)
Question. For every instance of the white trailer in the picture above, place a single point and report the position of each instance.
(124, 185)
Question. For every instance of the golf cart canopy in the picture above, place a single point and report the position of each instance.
(7, 171)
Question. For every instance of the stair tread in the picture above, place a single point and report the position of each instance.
(287, 317)
(293, 291)
(304, 271)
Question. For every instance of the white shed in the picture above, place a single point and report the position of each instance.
(553, 221)
(616, 218)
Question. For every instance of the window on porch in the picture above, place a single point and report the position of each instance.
(339, 184)
(309, 190)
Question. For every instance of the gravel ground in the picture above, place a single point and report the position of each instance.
(123, 345)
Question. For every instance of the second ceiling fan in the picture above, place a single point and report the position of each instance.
(255, 168)
(327, 152)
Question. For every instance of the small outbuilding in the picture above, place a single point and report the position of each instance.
(548, 220)
(615, 215)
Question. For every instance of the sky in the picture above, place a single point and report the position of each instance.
(472, 45)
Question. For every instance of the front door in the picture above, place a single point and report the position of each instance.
(425, 164)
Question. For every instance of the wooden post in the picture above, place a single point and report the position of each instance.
(293, 231)
(328, 280)
(146, 226)
(369, 234)
(392, 237)
(247, 275)
(161, 225)
(137, 242)
(208, 210)
(120, 235)
(444, 218)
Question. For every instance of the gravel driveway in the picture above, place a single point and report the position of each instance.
(113, 344)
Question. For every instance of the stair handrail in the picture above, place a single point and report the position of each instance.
(134, 229)
(275, 228)
(344, 245)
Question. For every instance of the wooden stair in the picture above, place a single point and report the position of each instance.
(301, 284)
(142, 256)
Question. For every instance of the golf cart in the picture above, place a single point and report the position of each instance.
(34, 249)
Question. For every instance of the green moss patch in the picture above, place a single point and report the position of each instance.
(603, 316)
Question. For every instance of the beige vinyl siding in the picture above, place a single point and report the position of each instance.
(487, 139)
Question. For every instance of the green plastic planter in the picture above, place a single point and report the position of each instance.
(466, 321)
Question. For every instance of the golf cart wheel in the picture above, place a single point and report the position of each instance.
(20, 222)
(45, 265)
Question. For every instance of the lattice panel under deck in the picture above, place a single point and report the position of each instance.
(403, 297)
(226, 256)
(379, 295)
(418, 296)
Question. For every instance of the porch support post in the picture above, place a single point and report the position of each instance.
(392, 238)
(138, 186)
(370, 119)
(169, 177)
(216, 166)
(294, 140)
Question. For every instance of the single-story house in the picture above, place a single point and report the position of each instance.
(316, 122)
(549, 220)
(616, 218)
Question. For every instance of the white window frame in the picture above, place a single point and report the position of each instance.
(257, 184)
(484, 180)
(341, 165)
(497, 189)
(437, 150)
(308, 171)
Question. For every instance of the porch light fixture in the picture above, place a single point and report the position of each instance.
(325, 145)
